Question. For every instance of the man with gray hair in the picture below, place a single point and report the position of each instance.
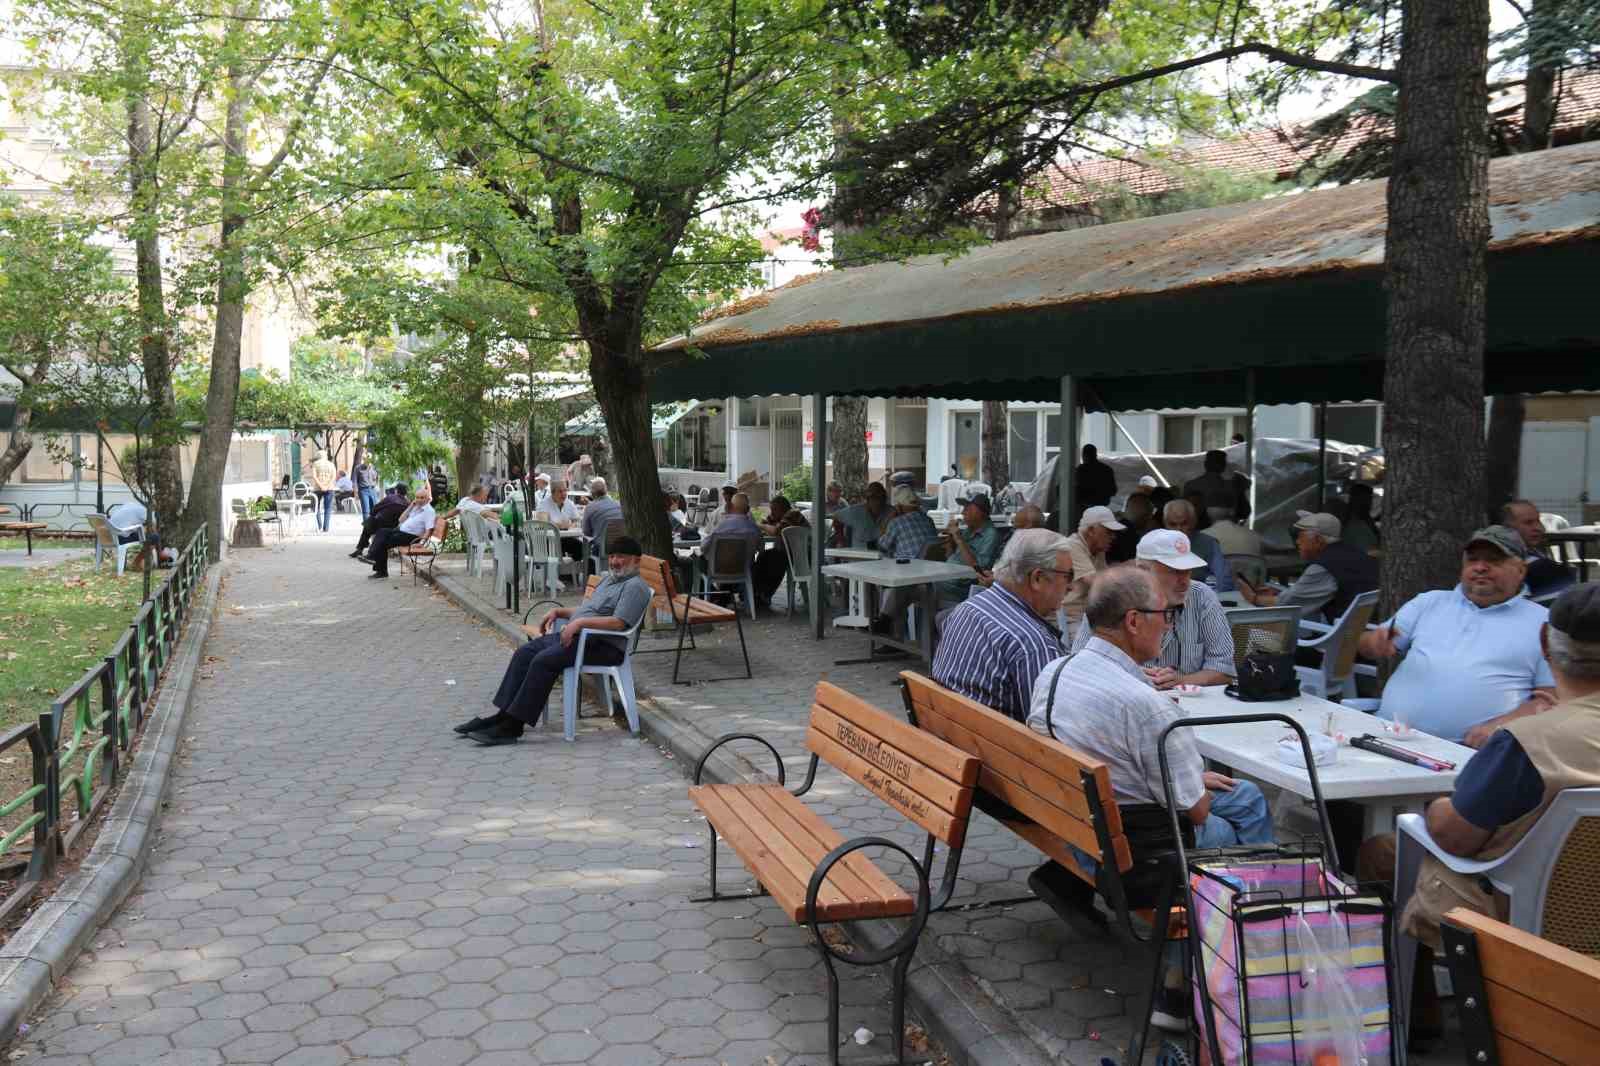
(600, 510)
(993, 645)
(1101, 703)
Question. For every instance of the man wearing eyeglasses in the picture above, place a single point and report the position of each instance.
(1104, 704)
(1197, 648)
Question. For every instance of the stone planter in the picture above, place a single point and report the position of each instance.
(247, 534)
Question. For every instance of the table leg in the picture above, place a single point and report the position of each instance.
(925, 637)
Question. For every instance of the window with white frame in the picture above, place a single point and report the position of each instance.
(1023, 445)
(1189, 434)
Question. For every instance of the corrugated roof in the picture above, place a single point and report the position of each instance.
(1082, 300)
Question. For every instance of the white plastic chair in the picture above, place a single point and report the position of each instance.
(477, 541)
(1337, 643)
(621, 675)
(949, 492)
(797, 546)
(543, 543)
(1549, 877)
(978, 488)
(500, 545)
(727, 561)
(105, 541)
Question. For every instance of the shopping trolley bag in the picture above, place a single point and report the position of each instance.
(1289, 963)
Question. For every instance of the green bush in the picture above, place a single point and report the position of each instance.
(796, 484)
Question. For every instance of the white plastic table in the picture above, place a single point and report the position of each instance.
(889, 574)
(856, 618)
(1384, 787)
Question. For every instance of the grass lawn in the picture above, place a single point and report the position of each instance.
(54, 623)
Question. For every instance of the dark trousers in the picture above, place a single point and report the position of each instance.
(382, 541)
(370, 529)
(768, 572)
(535, 668)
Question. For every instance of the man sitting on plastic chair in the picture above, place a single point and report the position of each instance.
(617, 604)
(1501, 793)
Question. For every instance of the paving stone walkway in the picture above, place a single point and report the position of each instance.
(340, 879)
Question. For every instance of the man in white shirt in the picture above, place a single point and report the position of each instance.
(541, 488)
(415, 523)
(557, 508)
(474, 503)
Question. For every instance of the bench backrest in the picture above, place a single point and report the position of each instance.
(922, 777)
(1037, 776)
(1535, 1001)
(658, 574)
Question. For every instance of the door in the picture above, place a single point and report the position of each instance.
(966, 440)
(786, 440)
(1554, 460)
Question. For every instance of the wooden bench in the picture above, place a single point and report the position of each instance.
(687, 611)
(816, 875)
(27, 529)
(1057, 799)
(1523, 1000)
(427, 548)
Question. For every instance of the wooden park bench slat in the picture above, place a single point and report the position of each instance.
(1053, 797)
(788, 846)
(1534, 1002)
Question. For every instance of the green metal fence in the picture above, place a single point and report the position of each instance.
(79, 746)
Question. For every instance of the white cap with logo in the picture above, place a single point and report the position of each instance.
(1169, 547)
(1099, 516)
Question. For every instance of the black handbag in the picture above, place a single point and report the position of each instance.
(1264, 677)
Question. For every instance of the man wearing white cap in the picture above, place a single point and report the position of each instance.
(1338, 572)
(1198, 647)
(1096, 530)
(541, 489)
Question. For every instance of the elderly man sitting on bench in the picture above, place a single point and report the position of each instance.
(618, 604)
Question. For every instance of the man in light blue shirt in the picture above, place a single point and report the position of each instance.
(1472, 656)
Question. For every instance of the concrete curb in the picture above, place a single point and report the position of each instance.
(959, 1013)
(45, 947)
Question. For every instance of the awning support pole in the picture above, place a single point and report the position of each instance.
(1115, 421)
(819, 500)
(1250, 438)
(1322, 455)
(1066, 465)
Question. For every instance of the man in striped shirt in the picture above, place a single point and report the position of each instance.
(1198, 648)
(993, 646)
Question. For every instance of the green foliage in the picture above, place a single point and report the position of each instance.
(399, 445)
(796, 484)
(1197, 187)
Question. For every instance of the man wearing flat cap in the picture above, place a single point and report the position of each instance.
(1473, 660)
(617, 604)
(1337, 574)
(1504, 789)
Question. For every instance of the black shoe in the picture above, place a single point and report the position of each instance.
(883, 627)
(356, 554)
(504, 733)
(1171, 1010)
(472, 725)
(377, 576)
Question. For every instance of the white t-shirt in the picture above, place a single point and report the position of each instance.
(564, 514)
(419, 521)
(467, 503)
(127, 516)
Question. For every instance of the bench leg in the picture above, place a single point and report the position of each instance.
(711, 856)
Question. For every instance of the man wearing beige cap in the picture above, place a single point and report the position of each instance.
(1338, 573)
(1096, 530)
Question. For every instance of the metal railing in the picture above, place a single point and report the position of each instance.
(79, 746)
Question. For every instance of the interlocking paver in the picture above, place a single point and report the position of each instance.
(340, 879)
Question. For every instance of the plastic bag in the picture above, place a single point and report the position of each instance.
(1333, 1013)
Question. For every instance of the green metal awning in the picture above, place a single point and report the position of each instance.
(1170, 311)
(592, 421)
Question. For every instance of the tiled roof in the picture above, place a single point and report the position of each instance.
(1275, 153)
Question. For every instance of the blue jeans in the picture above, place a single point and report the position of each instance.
(324, 510)
(369, 500)
(1238, 816)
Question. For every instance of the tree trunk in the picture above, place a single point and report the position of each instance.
(1438, 230)
(222, 391)
(848, 444)
(159, 463)
(21, 444)
(996, 461)
(1544, 63)
(619, 387)
(1504, 458)
(469, 442)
